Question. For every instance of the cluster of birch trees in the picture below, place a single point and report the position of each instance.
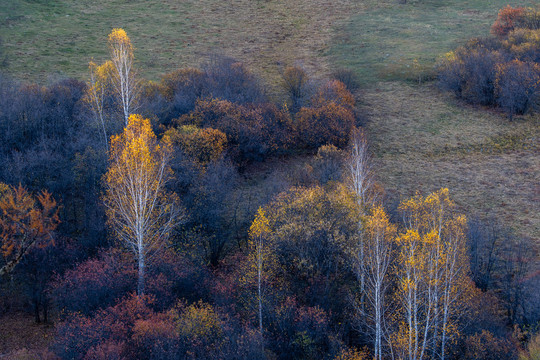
(412, 280)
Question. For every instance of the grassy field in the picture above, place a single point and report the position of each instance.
(60, 37)
(391, 41)
(423, 140)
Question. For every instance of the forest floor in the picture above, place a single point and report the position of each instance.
(22, 338)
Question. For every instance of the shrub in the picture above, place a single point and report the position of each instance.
(254, 131)
(480, 67)
(334, 91)
(182, 88)
(105, 335)
(222, 78)
(485, 346)
(199, 328)
(156, 338)
(296, 85)
(530, 19)
(471, 74)
(327, 124)
(524, 44)
(152, 103)
(352, 354)
(94, 284)
(301, 332)
(507, 20)
(203, 145)
(348, 78)
(328, 164)
(517, 86)
(229, 79)
(98, 283)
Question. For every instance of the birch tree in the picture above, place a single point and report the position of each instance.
(379, 237)
(139, 209)
(262, 261)
(124, 77)
(260, 253)
(361, 185)
(431, 271)
(98, 89)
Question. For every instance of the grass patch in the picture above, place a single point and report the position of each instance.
(392, 41)
(423, 140)
(42, 37)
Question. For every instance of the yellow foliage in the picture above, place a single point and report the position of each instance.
(138, 207)
(198, 321)
(204, 145)
(431, 259)
(352, 354)
(260, 225)
(119, 38)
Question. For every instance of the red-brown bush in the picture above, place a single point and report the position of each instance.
(506, 21)
(327, 124)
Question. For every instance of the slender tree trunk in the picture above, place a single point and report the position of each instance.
(260, 302)
(45, 311)
(104, 131)
(378, 354)
(140, 283)
(443, 335)
(259, 286)
(36, 311)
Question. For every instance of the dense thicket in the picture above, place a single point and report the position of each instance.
(501, 71)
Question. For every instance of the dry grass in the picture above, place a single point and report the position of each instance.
(41, 37)
(424, 140)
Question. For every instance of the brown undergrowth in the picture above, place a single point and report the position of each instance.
(22, 338)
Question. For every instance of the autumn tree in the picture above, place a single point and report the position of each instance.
(379, 235)
(516, 86)
(310, 228)
(330, 119)
(204, 145)
(99, 88)
(361, 180)
(139, 209)
(361, 185)
(329, 123)
(25, 222)
(431, 270)
(261, 257)
(124, 77)
(253, 131)
(295, 83)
